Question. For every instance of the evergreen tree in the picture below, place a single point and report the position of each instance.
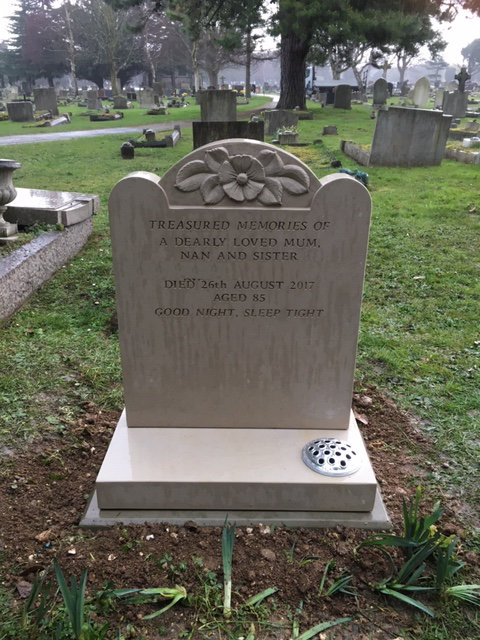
(37, 47)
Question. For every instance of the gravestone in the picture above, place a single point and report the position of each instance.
(472, 127)
(343, 97)
(20, 111)
(380, 92)
(32, 206)
(239, 281)
(206, 132)
(421, 92)
(158, 88)
(276, 118)
(46, 100)
(93, 101)
(462, 77)
(217, 105)
(147, 99)
(406, 137)
(120, 102)
(455, 103)
(439, 98)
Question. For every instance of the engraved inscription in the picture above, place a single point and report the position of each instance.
(246, 242)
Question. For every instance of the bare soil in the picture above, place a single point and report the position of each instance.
(44, 489)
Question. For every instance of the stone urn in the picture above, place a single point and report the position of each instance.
(7, 194)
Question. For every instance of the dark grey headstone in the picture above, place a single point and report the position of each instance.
(276, 118)
(218, 105)
(205, 132)
(343, 97)
(46, 100)
(380, 92)
(20, 111)
(455, 103)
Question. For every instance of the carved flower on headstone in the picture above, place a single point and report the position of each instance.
(242, 177)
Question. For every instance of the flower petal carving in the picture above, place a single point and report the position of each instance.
(272, 192)
(294, 179)
(252, 189)
(234, 191)
(226, 173)
(271, 161)
(242, 177)
(191, 175)
(211, 190)
(214, 158)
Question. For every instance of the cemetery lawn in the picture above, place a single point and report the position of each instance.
(131, 118)
(417, 401)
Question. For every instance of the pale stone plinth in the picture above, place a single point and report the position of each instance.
(227, 469)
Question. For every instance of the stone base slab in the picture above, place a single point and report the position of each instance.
(377, 519)
(243, 470)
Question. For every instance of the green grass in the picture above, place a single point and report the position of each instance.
(419, 333)
(131, 117)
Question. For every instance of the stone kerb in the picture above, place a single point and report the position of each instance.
(239, 279)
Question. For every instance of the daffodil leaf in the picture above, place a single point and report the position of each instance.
(214, 158)
(191, 175)
(272, 192)
(294, 179)
(271, 161)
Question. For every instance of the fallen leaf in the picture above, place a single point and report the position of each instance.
(44, 536)
(361, 417)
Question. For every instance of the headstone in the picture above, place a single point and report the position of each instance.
(406, 137)
(217, 105)
(421, 92)
(146, 98)
(439, 98)
(93, 101)
(20, 111)
(462, 77)
(51, 207)
(120, 102)
(455, 103)
(206, 132)
(343, 97)
(239, 282)
(127, 151)
(46, 100)
(330, 130)
(277, 118)
(149, 135)
(472, 127)
(158, 88)
(380, 92)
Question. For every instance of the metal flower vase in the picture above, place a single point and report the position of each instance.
(7, 194)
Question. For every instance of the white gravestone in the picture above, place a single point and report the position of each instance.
(421, 93)
(239, 280)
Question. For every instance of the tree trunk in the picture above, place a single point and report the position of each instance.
(114, 78)
(248, 65)
(293, 54)
(212, 77)
(336, 73)
(358, 78)
(195, 67)
(71, 48)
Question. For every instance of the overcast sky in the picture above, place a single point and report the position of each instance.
(458, 34)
